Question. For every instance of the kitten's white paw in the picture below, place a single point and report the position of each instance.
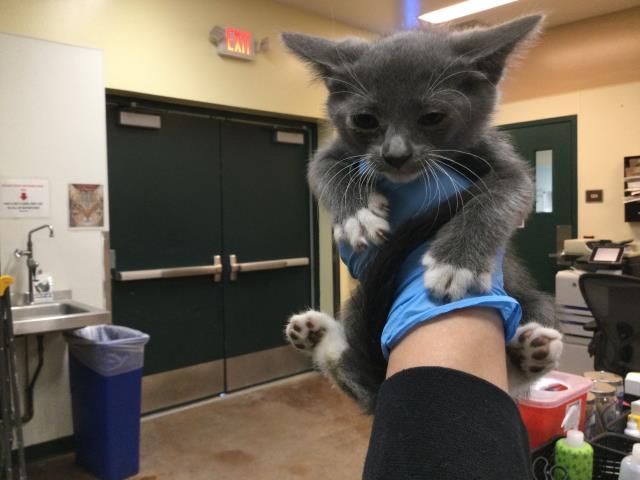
(535, 349)
(379, 205)
(367, 226)
(445, 280)
(318, 334)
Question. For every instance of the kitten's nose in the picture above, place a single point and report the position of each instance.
(396, 151)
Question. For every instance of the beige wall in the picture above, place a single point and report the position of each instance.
(590, 69)
(590, 53)
(608, 130)
(161, 47)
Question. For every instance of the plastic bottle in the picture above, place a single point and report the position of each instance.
(632, 429)
(575, 456)
(630, 466)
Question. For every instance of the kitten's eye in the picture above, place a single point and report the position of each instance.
(430, 119)
(365, 121)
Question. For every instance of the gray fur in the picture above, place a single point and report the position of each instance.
(432, 94)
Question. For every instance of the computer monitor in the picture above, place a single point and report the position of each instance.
(607, 255)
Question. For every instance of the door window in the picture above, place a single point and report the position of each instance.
(544, 181)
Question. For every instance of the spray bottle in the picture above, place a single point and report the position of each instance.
(575, 456)
(630, 466)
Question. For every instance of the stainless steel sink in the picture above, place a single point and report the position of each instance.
(56, 316)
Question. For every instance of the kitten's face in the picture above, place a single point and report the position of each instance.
(402, 111)
(404, 102)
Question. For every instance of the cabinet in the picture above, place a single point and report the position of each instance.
(632, 189)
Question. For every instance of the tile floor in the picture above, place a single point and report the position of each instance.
(298, 428)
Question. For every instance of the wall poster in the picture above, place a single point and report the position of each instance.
(86, 205)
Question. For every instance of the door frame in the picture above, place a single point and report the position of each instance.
(165, 105)
(187, 107)
(573, 160)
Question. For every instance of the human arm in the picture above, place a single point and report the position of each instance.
(443, 413)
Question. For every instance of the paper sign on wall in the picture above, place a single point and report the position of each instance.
(24, 198)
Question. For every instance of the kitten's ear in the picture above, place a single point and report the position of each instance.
(489, 48)
(325, 56)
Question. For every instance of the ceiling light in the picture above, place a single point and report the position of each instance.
(461, 9)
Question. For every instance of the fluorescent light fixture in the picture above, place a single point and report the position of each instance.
(461, 9)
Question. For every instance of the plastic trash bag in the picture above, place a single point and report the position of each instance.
(108, 349)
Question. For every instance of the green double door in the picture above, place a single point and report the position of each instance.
(211, 246)
(549, 146)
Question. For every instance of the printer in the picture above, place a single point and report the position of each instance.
(593, 255)
(589, 255)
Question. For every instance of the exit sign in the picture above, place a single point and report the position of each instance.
(233, 42)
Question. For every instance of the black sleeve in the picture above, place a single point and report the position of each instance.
(440, 424)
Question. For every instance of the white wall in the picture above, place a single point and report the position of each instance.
(52, 126)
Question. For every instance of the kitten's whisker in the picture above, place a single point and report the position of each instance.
(349, 92)
(466, 153)
(479, 197)
(454, 184)
(346, 190)
(432, 85)
(426, 178)
(437, 181)
(354, 156)
(426, 188)
(329, 183)
(358, 89)
(346, 65)
(480, 179)
(457, 92)
(460, 72)
(361, 182)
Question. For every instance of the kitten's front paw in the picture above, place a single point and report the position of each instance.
(444, 280)
(535, 349)
(368, 226)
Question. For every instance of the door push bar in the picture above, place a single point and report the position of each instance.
(200, 270)
(264, 265)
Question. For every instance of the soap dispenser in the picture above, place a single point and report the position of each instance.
(575, 456)
(630, 466)
(632, 429)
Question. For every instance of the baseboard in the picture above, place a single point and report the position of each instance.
(51, 448)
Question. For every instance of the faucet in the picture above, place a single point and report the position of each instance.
(32, 265)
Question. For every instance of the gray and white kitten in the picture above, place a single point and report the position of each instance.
(404, 103)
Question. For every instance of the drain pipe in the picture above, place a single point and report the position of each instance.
(29, 389)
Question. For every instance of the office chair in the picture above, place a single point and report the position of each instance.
(614, 301)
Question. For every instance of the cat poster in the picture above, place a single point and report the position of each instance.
(86, 205)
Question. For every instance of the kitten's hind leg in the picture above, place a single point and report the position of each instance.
(534, 351)
(537, 345)
(319, 335)
(324, 338)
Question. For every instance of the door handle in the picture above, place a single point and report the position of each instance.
(194, 271)
(263, 265)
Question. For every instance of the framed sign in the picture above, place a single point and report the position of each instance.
(24, 198)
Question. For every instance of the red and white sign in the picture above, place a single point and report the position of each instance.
(24, 198)
(233, 42)
(238, 42)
